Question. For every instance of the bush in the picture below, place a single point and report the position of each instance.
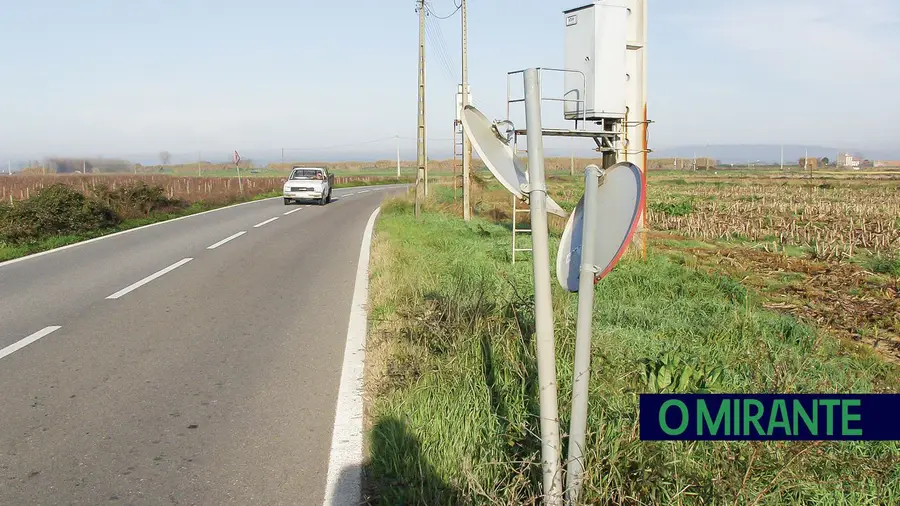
(55, 210)
(138, 200)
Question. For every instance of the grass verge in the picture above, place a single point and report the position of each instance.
(451, 374)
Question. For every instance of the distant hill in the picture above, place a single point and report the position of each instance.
(766, 153)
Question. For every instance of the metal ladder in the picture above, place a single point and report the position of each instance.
(457, 154)
(516, 210)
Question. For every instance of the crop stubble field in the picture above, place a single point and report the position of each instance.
(825, 250)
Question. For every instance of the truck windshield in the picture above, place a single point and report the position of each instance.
(306, 174)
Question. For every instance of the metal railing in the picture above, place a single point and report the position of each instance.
(581, 104)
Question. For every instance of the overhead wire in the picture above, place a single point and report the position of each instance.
(439, 42)
(448, 16)
(439, 52)
(443, 44)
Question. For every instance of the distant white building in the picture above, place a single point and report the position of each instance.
(849, 161)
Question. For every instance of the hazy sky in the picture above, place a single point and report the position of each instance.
(117, 77)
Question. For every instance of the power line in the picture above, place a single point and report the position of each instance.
(441, 56)
(443, 44)
(448, 16)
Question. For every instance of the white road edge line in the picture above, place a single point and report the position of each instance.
(102, 237)
(344, 482)
(18, 345)
(149, 278)
(270, 220)
(223, 241)
(293, 211)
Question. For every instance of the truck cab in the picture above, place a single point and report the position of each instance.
(308, 184)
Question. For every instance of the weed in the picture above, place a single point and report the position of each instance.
(679, 208)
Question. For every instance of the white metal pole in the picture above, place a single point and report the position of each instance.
(9, 167)
(543, 308)
(581, 373)
(398, 156)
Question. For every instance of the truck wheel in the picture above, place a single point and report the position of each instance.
(287, 201)
(329, 196)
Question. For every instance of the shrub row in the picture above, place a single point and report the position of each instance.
(61, 210)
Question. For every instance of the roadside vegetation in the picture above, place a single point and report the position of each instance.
(451, 375)
(58, 215)
(53, 211)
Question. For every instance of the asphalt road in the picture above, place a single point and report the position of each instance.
(213, 383)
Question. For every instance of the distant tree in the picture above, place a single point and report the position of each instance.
(165, 157)
(825, 160)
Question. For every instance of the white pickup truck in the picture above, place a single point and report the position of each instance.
(309, 183)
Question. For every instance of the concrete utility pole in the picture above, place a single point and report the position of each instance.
(421, 175)
(572, 157)
(9, 167)
(467, 146)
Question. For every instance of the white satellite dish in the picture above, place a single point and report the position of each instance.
(620, 202)
(498, 156)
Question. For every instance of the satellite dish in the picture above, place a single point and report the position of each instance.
(496, 153)
(620, 202)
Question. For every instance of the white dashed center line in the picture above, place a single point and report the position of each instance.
(293, 211)
(18, 345)
(149, 278)
(270, 220)
(223, 241)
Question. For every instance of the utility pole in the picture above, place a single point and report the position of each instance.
(421, 176)
(9, 167)
(398, 156)
(572, 157)
(467, 146)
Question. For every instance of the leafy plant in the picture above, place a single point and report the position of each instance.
(669, 374)
(55, 210)
(680, 208)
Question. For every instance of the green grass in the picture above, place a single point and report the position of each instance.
(9, 252)
(882, 264)
(452, 375)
